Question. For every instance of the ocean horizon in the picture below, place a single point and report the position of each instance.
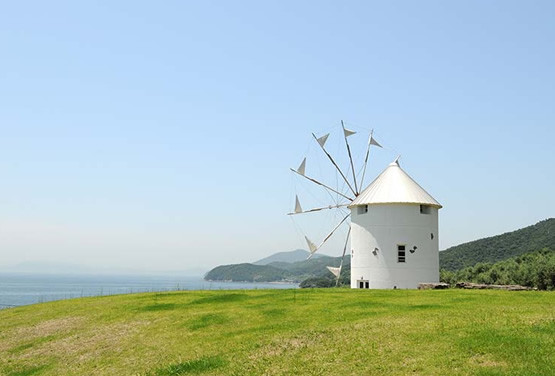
(17, 289)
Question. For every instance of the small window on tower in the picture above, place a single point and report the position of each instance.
(363, 209)
(425, 209)
(401, 256)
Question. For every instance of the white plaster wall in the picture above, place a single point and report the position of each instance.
(385, 226)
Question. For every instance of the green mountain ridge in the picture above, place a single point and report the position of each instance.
(247, 273)
(288, 257)
(532, 269)
(500, 247)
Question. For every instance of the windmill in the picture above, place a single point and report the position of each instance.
(352, 189)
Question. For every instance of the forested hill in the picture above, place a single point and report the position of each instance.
(500, 247)
(291, 256)
(246, 273)
(276, 271)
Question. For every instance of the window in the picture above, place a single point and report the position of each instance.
(401, 256)
(425, 209)
(362, 284)
(362, 209)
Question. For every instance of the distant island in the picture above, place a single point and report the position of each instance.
(525, 256)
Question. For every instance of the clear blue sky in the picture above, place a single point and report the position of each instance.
(159, 135)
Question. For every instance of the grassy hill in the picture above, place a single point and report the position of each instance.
(500, 247)
(284, 332)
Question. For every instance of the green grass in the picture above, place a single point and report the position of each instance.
(284, 332)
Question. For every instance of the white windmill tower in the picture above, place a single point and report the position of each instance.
(393, 225)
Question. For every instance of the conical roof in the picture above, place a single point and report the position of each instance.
(394, 186)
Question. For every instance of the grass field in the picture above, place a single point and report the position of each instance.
(284, 332)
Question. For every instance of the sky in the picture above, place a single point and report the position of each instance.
(159, 135)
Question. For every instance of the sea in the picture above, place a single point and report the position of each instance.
(19, 289)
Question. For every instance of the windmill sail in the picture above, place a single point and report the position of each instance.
(371, 141)
(298, 208)
(302, 167)
(322, 140)
(311, 246)
(374, 142)
(336, 271)
(348, 133)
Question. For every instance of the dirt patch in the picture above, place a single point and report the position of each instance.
(90, 344)
(33, 333)
(48, 327)
(483, 360)
(286, 345)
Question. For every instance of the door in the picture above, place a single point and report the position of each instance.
(363, 284)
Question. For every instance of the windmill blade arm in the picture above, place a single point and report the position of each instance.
(366, 160)
(318, 209)
(350, 156)
(335, 164)
(321, 184)
(342, 257)
(345, 247)
(328, 236)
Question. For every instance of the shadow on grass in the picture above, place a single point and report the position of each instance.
(28, 345)
(207, 320)
(221, 298)
(191, 366)
(276, 312)
(159, 307)
(427, 306)
(36, 370)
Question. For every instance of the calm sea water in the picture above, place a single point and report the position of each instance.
(22, 289)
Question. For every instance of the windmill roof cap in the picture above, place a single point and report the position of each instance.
(394, 186)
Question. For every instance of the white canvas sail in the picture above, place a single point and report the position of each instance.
(322, 140)
(298, 208)
(311, 246)
(374, 142)
(302, 167)
(335, 271)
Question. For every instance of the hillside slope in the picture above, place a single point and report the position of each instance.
(275, 271)
(247, 273)
(500, 247)
(291, 256)
(283, 332)
(533, 269)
